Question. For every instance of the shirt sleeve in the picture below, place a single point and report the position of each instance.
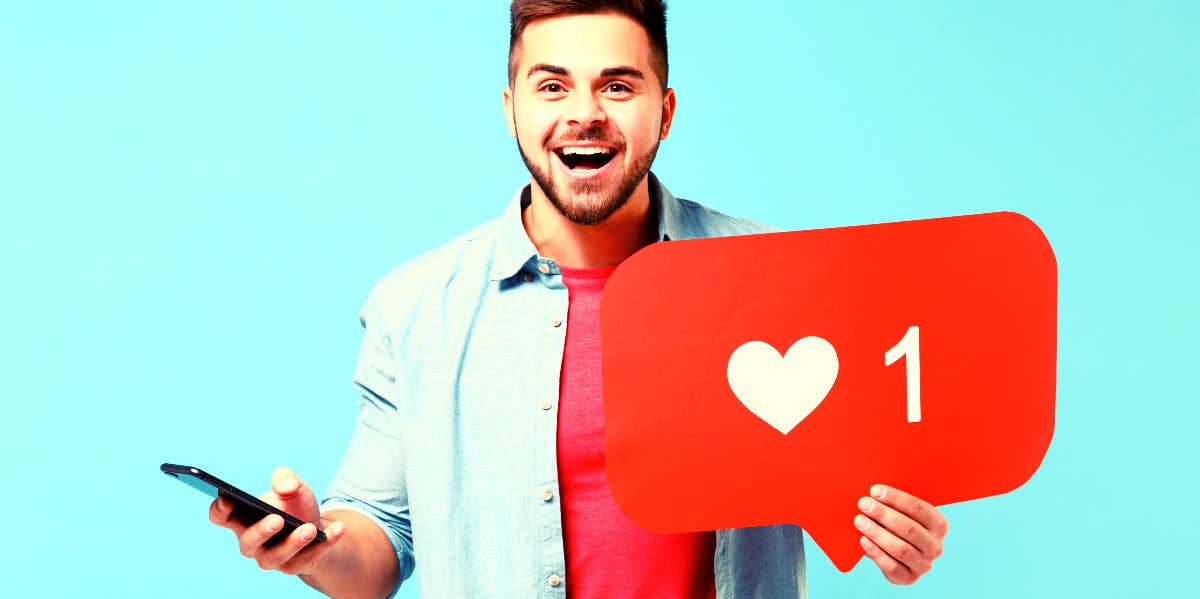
(371, 478)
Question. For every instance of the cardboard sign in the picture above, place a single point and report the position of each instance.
(770, 379)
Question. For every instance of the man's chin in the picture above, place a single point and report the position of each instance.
(587, 208)
(585, 191)
(586, 201)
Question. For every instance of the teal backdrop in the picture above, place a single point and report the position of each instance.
(197, 197)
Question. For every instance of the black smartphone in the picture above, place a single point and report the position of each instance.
(247, 508)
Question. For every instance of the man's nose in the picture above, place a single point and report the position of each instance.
(584, 110)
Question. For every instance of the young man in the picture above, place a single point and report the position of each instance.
(479, 448)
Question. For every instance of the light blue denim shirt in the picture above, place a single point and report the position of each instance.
(453, 454)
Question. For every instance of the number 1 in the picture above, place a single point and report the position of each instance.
(909, 347)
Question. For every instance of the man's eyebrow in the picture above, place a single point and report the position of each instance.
(547, 68)
(622, 72)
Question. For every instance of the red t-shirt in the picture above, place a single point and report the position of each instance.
(608, 556)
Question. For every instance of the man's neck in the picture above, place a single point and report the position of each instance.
(608, 243)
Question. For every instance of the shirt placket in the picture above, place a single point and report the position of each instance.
(550, 323)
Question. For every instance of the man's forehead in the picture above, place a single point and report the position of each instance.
(584, 44)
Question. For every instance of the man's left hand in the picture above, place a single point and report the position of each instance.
(901, 533)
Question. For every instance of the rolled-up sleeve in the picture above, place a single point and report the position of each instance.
(371, 478)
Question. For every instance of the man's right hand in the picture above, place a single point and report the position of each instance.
(293, 555)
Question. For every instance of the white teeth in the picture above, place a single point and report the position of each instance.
(585, 151)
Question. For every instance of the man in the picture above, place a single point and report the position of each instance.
(479, 444)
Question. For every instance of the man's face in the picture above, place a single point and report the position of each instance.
(587, 111)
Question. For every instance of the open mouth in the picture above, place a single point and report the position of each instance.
(585, 159)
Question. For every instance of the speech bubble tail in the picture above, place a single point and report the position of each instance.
(840, 544)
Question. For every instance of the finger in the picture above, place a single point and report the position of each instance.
(917, 509)
(899, 549)
(306, 561)
(221, 514)
(892, 570)
(902, 526)
(252, 539)
(285, 483)
(273, 557)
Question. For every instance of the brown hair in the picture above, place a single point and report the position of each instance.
(650, 14)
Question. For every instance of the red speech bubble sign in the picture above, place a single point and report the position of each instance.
(770, 379)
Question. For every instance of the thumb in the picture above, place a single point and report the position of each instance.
(287, 484)
(293, 495)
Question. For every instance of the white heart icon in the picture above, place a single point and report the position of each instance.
(783, 390)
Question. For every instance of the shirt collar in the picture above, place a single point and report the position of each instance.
(670, 214)
(514, 249)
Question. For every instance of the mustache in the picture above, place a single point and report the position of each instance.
(594, 134)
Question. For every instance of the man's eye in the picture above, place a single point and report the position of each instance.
(618, 88)
(553, 88)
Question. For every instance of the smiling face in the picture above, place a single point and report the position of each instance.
(588, 112)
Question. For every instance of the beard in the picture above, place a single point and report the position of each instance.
(591, 202)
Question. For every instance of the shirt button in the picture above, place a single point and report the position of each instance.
(528, 277)
(555, 321)
(547, 404)
(555, 580)
(544, 268)
(547, 494)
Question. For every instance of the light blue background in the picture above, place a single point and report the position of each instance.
(197, 197)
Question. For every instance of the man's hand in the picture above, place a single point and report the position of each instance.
(293, 555)
(901, 533)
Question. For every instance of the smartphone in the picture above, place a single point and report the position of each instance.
(247, 508)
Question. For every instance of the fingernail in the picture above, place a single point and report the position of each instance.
(861, 522)
(221, 504)
(308, 534)
(273, 523)
(878, 491)
(288, 483)
(337, 528)
(864, 542)
(866, 504)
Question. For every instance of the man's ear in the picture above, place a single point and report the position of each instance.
(668, 113)
(508, 111)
